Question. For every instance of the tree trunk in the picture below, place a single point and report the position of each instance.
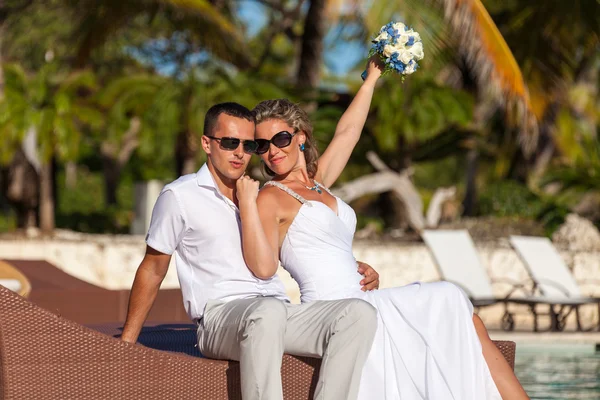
(115, 158)
(21, 189)
(185, 153)
(47, 220)
(112, 173)
(311, 54)
(545, 147)
(470, 200)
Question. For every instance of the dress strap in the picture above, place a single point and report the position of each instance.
(288, 191)
(324, 187)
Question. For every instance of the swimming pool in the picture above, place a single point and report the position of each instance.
(551, 372)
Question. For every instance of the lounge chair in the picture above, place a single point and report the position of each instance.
(13, 279)
(44, 356)
(79, 301)
(552, 279)
(458, 261)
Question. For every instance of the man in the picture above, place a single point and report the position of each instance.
(239, 316)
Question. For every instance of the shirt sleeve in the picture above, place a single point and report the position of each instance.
(167, 225)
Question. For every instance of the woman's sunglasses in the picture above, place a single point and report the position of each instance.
(229, 143)
(280, 140)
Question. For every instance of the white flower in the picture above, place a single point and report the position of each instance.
(382, 36)
(399, 47)
(388, 50)
(410, 68)
(416, 36)
(417, 50)
(403, 38)
(405, 56)
(399, 26)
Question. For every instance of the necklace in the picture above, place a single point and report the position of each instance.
(316, 188)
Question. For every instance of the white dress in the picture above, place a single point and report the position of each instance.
(426, 346)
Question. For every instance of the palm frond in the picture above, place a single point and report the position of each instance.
(99, 20)
(489, 56)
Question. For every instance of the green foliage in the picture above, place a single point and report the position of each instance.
(50, 104)
(37, 33)
(81, 209)
(423, 122)
(8, 222)
(416, 111)
(511, 199)
(564, 33)
(430, 175)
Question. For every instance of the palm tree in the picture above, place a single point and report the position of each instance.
(559, 54)
(97, 22)
(49, 108)
(467, 49)
(162, 117)
(311, 54)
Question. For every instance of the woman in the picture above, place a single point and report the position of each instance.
(429, 344)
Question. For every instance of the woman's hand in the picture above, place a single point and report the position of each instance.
(374, 68)
(246, 190)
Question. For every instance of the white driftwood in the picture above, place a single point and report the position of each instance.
(387, 181)
(434, 211)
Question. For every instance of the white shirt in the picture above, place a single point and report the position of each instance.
(192, 219)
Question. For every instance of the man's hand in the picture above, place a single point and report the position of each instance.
(371, 280)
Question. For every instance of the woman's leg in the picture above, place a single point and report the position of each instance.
(507, 383)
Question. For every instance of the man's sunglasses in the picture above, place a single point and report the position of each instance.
(229, 143)
(280, 140)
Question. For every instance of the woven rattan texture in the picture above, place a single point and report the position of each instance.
(508, 350)
(44, 356)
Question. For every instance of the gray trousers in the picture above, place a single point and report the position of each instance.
(257, 331)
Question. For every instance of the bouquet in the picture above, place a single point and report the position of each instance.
(399, 48)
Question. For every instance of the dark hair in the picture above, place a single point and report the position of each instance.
(232, 109)
(297, 118)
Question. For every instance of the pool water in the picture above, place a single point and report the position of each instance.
(559, 371)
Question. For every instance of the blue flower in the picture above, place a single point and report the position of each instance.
(411, 41)
(378, 46)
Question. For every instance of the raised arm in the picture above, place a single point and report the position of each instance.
(349, 128)
(146, 284)
(260, 228)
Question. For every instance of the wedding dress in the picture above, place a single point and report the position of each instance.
(426, 346)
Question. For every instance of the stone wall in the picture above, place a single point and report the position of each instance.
(111, 262)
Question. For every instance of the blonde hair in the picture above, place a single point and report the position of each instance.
(297, 118)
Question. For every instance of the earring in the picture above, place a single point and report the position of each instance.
(302, 147)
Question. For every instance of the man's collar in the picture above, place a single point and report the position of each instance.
(205, 178)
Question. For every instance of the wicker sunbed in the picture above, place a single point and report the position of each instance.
(9, 272)
(44, 356)
(85, 303)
